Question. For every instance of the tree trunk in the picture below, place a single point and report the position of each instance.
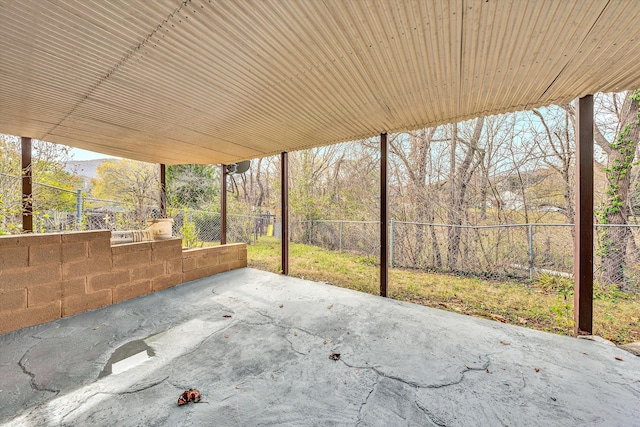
(613, 240)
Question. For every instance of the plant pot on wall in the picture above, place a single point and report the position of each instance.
(160, 228)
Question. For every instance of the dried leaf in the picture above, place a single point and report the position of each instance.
(334, 356)
(281, 305)
(325, 342)
(618, 358)
(295, 334)
(226, 335)
(537, 369)
(498, 318)
(330, 306)
(226, 315)
(505, 343)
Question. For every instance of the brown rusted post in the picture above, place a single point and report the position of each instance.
(27, 193)
(163, 190)
(583, 250)
(284, 201)
(223, 204)
(384, 216)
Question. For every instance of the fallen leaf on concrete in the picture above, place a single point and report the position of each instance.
(618, 358)
(226, 315)
(325, 342)
(226, 335)
(505, 343)
(584, 352)
(295, 334)
(357, 372)
(537, 369)
(191, 395)
(97, 327)
(334, 356)
(498, 318)
(281, 305)
(330, 306)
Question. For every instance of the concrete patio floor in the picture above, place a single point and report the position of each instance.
(268, 364)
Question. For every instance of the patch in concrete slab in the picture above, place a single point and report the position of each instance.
(126, 357)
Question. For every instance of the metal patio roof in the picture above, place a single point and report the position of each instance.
(219, 81)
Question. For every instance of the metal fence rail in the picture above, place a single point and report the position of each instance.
(509, 250)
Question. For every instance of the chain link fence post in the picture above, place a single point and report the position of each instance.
(340, 244)
(531, 259)
(391, 245)
(79, 209)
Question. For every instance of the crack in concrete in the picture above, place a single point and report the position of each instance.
(417, 384)
(366, 400)
(430, 416)
(32, 377)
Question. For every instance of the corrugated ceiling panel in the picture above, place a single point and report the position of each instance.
(218, 81)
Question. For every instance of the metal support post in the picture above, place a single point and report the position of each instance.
(340, 236)
(223, 204)
(27, 191)
(163, 191)
(284, 200)
(583, 251)
(384, 215)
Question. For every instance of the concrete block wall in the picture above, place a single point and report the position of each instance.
(203, 262)
(47, 276)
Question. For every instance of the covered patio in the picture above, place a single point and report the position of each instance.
(257, 346)
(199, 81)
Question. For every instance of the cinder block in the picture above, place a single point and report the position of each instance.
(190, 275)
(14, 299)
(45, 254)
(85, 268)
(99, 248)
(39, 239)
(173, 265)
(169, 243)
(85, 236)
(13, 257)
(130, 247)
(133, 259)
(132, 290)
(30, 276)
(189, 264)
(207, 260)
(228, 257)
(16, 319)
(74, 251)
(78, 303)
(44, 294)
(74, 287)
(166, 281)
(147, 272)
(237, 264)
(164, 252)
(8, 241)
(109, 280)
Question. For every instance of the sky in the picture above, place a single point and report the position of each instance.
(79, 154)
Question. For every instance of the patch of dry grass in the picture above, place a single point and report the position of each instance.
(546, 304)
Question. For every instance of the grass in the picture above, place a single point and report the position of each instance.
(546, 304)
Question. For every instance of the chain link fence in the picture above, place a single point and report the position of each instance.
(519, 251)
